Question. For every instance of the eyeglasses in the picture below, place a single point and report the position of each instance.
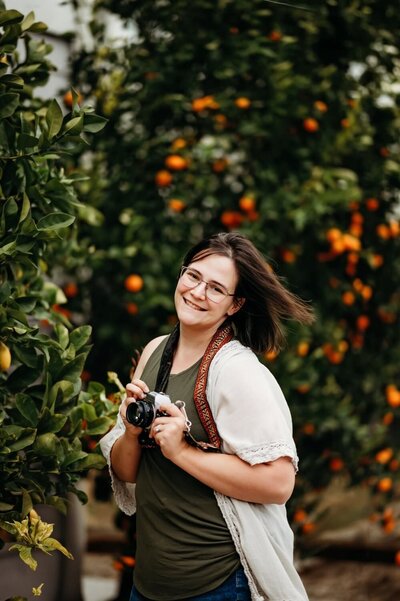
(214, 292)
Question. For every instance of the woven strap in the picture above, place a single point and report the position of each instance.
(223, 335)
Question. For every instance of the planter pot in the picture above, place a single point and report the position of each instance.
(61, 576)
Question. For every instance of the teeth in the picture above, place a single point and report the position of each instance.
(192, 305)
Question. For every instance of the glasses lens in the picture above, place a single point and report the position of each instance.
(214, 292)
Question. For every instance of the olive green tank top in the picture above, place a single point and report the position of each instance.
(184, 547)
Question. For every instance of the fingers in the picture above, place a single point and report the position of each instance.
(137, 389)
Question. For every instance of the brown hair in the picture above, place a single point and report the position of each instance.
(268, 302)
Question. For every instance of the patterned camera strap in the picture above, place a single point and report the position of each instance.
(223, 335)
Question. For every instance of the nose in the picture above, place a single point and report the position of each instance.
(200, 290)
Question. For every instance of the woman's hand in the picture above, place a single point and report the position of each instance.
(168, 431)
(136, 390)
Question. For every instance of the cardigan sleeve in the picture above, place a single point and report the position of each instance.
(124, 492)
(249, 408)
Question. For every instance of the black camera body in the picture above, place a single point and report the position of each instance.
(142, 413)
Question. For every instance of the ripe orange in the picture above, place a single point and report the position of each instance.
(288, 256)
(163, 178)
(376, 261)
(300, 515)
(247, 203)
(333, 234)
(336, 464)
(309, 428)
(219, 165)
(231, 219)
(384, 456)
(345, 123)
(397, 558)
(132, 308)
(70, 290)
(275, 36)
(176, 163)
(348, 298)
(303, 348)
(392, 395)
(383, 231)
(270, 355)
(308, 528)
(372, 204)
(385, 484)
(303, 388)
(67, 99)
(363, 322)
(242, 102)
(311, 125)
(321, 106)
(176, 205)
(178, 144)
(133, 283)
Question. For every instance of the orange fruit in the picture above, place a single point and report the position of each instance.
(397, 558)
(303, 388)
(311, 125)
(303, 348)
(163, 178)
(336, 464)
(333, 234)
(388, 418)
(67, 99)
(367, 292)
(345, 123)
(219, 165)
(288, 256)
(372, 204)
(308, 528)
(176, 205)
(242, 102)
(270, 355)
(178, 144)
(231, 219)
(385, 484)
(363, 322)
(384, 456)
(348, 298)
(176, 163)
(133, 282)
(392, 395)
(70, 290)
(321, 106)
(383, 231)
(275, 36)
(300, 515)
(5, 357)
(247, 203)
(132, 308)
(309, 428)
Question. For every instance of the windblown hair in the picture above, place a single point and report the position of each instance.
(259, 322)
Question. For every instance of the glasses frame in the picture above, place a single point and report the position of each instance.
(183, 270)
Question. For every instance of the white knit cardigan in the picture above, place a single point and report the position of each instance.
(254, 423)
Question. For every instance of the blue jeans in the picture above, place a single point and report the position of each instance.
(236, 588)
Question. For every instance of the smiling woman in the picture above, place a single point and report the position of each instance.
(213, 525)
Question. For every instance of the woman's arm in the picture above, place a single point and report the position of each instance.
(229, 475)
(126, 451)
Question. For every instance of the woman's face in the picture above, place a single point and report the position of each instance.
(193, 307)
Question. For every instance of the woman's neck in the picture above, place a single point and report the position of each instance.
(191, 347)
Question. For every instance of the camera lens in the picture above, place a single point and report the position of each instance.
(140, 414)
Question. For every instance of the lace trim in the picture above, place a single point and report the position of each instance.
(225, 506)
(124, 492)
(269, 452)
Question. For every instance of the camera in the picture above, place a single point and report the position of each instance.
(142, 413)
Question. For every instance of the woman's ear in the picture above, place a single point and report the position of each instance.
(236, 305)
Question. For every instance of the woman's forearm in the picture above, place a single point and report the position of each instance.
(229, 475)
(125, 457)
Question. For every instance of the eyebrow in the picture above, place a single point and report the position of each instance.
(210, 281)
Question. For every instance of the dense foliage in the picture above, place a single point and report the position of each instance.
(282, 123)
(44, 414)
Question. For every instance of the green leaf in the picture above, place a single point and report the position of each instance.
(94, 123)
(51, 544)
(10, 16)
(27, 504)
(26, 206)
(54, 118)
(25, 441)
(55, 221)
(27, 407)
(80, 336)
(72, 371)
(25, 554)
(74, 125)
(8, 104)
(28, 21)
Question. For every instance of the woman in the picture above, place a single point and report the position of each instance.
(213, 525)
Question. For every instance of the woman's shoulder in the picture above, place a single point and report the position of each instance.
(147, 352)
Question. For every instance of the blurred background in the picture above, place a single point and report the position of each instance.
(128, 131)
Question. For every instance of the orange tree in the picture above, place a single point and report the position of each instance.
(45, 415)
(282, 123)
